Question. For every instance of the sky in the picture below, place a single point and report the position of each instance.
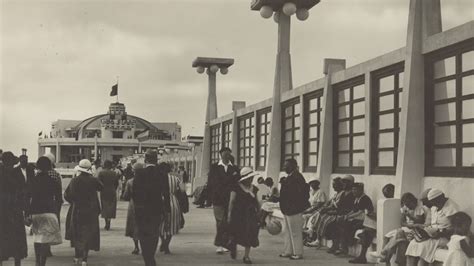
(59, 58)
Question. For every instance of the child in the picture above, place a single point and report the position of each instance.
(461, 246)
(414, 215)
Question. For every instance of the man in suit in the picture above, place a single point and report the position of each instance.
(24, 170)
(152, 202)
(220, 178)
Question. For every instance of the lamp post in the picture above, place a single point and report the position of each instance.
(282, 10)
(211, 66)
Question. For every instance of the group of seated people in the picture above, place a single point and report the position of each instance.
(427, 224)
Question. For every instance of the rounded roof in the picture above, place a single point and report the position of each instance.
(94, 123)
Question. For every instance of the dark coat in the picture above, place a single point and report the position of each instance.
(220, 182)
(294, 194)
(84, 210)
(30, 173)
(151, 197)
(108, 196)
(43, 192)
(12, 204)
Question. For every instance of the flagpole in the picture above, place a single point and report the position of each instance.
(117, 88)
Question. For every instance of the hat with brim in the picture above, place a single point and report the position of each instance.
(348, 178)
(9, 158)
(313, 181)
(85, 166)
(246, 173)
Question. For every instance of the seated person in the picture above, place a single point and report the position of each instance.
(461, 245)
(317, 198)
(421, 251)
(274, 195)
(368, 232)
(414, 215)
(328, 208)
(348, 224)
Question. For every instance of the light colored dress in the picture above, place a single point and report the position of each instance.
(45, 229)
(439, 220)
(175, 218)
(456, 255)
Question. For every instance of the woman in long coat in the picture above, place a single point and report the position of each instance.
(12, 204)
(130, 227)
(172, 223)
(82, 225)
(108, 196)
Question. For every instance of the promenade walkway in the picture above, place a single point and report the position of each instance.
(193, 246)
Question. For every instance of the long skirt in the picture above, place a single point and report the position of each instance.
(173, 224)
(46, 229)
(130, 226)
(426, 249)
(321, 222)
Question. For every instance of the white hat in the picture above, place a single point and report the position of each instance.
(434, 193)
(349, 177)
(246, 173)
(50, 156)
(85, 166)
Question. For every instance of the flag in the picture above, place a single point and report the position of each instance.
(41, 133)
(114, 91)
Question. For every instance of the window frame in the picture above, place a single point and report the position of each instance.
(215, 146)
(458, 170)
(284, 105)
(267, 112)
(393, 70)
(241, 160)
(318, 94)
(227, 134)
(344, 85)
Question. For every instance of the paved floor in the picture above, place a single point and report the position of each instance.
(193, 246)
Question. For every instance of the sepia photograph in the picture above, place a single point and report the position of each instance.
(234, 132)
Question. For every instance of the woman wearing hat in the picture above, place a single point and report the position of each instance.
(423, 253)
(83, 224)
(108, 196)
(12, 229)
(42, 206)
(242, 214)
(130, 228)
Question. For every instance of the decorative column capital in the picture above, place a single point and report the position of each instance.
(212, 64)
(288, 7)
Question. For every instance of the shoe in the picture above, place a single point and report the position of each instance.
(340, 252)
(167, 250)
(84, 263)
(315, 243)
(358, 260)
(331, 250)
(136, 252)
(247, 260)
(75, 261)
(225, 250)
(283, 255)
(296, 257)
(220, 250)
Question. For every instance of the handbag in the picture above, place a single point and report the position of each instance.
(420, 235)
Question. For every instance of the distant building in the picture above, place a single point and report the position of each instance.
(109, 136)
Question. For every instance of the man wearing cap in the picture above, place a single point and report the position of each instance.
(220, 178)
(439, 230)
(152, 202)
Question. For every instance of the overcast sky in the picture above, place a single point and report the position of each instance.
(60, 58)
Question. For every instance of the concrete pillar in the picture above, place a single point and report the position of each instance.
(235, 136)
(424, 19)
(325, 152)
(96, 152)
(211, 113)
(41, 150)
(367, 134)
(58, 152)
(283, 82)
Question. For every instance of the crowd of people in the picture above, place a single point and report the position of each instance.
(241, 208)
(32, 196)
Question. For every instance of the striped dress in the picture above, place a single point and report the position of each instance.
(174, 219)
